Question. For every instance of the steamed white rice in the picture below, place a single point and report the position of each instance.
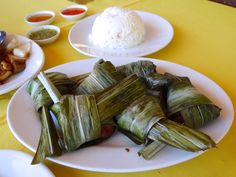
(118, 28)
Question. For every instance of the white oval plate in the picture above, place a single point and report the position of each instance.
(111, 155)
(159, 34)
(15, 163)
(34, 64)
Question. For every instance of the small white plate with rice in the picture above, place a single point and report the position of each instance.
(158, 34)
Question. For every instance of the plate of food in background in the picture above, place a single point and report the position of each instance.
(20, 60)
(121, 32)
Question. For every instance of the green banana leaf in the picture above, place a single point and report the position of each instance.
(82, 117)
(153, 80)
(78, 80)
(156, 81)
(187, 105)
(180, 136)
(142, 119)
(78, 119)
(40, 96)
(48, 144)
(140, 116)
(145, 119)
(49, 139)
(141, 68)
(145, 70)
(104, 75)
(113, 100)
(151, 149)
(108, 128)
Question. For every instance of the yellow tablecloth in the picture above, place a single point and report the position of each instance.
(205, 40)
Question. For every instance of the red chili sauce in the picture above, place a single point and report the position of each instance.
(73, 11)
(39, 18)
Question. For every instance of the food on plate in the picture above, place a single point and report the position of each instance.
(118, 28)
(49, 140)
(144, 120)
(13, 58)
(185, 104)
(22, 51)
(12, 44)
(74, 117)
(104, 74)
(85, 110)
(42, 34)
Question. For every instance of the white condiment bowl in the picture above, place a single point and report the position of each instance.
(38, 13)
(74, 17)
(47, 40)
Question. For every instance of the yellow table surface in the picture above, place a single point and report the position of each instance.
(204, 39)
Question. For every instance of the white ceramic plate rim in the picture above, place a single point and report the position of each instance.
(80, 159)
(143, 49)
(22, 157)
(36, 58)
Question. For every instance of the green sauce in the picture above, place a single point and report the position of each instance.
(42, 34)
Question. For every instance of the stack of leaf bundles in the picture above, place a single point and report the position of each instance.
(79, 119)
(80, 111)
(144, 120)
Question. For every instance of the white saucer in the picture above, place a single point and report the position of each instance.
(17, 164)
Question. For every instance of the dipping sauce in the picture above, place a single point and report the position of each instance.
(73, 11)
(39, 18)
(42, 34)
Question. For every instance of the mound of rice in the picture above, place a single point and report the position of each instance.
(118, 28)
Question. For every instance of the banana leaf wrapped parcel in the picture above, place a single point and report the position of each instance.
(146, 70)
(39, 94)
(145, 122)
(86, 109)
(147, 109)
(185, 104)
(82, 118)
(105, 74)
(182, 103)
(48, 143)
(141, 68)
